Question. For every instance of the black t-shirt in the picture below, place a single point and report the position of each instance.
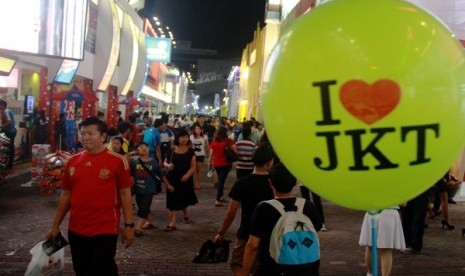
(249, 191)
(264, 219)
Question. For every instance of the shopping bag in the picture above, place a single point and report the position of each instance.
(43, 265)
(211, 252)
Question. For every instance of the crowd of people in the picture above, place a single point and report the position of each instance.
(132, 163)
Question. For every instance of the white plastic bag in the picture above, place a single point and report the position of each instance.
(43, 265)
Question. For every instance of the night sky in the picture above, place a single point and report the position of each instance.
(223, 25)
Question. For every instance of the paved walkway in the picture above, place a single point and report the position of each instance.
(25, 217)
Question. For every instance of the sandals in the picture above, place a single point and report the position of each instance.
(138, 233)
(169, 228)
(186, 220)
(218, 203)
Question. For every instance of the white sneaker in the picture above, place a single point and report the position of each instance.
(323, 227)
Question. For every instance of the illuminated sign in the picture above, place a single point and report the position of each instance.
(6, 65)
(50, 28)
(158, 49)
(67, 71)
(115, 44)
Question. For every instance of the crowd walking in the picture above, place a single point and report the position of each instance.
(136, 176)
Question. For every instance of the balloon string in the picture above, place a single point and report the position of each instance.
(374, 243)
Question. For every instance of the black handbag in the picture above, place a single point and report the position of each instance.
(157, 179)
(211, 252)
(230, 154)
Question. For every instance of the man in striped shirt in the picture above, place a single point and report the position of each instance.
(245, 148)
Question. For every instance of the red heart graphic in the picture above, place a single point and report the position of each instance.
(370, 103)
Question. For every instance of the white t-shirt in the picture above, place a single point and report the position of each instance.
(198, 144)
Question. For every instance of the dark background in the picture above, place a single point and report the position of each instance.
(223, 25)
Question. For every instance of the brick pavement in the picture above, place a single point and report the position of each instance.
(25, 217)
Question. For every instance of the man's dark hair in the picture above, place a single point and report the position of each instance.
(281, 179)
(3, 102)
(165, 118)
(246, 132)
(118, 112)
(158, 122)
(262, 155)
(123, 127)
(201, 115)
(101, 125)
(132, 118)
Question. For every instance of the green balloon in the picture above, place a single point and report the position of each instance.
(363, 101)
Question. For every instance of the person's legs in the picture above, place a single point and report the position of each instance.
(198, 168)
(368, 259)
(385, 255)
(222, 175)
(144, 201)
(319, 207)
(103, 255)
(418, 221)
(81, 247)
(11, 150)
(444, 205)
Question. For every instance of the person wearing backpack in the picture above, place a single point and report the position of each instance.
(283, 235)
(246, 193)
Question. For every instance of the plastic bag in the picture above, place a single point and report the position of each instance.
(211, 252)
(43, 265)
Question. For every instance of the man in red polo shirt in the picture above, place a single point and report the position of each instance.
(95, 187)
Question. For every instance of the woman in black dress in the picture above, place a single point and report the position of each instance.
(180, 176)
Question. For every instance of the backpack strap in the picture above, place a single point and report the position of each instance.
(299, 203)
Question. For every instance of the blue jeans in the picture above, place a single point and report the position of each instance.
(222, 173)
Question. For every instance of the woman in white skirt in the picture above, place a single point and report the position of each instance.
(389, 236)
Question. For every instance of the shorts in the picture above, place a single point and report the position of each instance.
(144, 201)
(237, 256)
(200, 159)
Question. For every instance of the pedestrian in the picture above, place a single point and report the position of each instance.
(181, 170)
(389, 236)
(147, 174)
(413, 222)
(316, 199)
(247, 192)
(245, 149)
(95, 187)
(116, 145)
(60, 132)
(41, 128)
(201, 148)
(264, 219)
(152, 138)
(219, 161)
(7, 125)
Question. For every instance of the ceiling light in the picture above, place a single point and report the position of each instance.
(155, 18)
(158, 23)
(167, 27)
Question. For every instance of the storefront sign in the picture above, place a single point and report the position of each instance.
(158, 49)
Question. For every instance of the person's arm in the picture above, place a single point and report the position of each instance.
(210, 159)
(126, 204)
(228, 219)
(232, 145)
(250, 255)
(207, 146)
(62, 210)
